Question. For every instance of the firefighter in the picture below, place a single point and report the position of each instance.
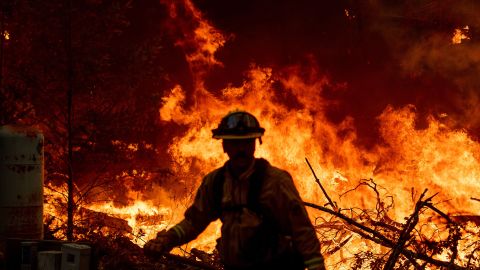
(264, 222)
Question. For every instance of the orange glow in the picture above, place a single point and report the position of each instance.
(142, 217)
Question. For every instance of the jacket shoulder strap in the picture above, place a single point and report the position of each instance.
(256, 182)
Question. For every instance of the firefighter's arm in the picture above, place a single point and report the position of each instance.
(196, 219)
(293, 216)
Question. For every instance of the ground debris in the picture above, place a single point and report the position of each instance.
(112, 244)
(119, 253)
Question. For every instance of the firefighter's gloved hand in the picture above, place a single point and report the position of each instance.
(316, 264)
(163, 243)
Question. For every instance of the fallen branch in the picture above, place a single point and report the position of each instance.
(453, 226)
(380, 239)
(334, 205)
(405, 234)
(339, 246)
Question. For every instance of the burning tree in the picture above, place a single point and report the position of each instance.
(107, 133)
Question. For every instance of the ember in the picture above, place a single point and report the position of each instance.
(460, 34)
(381, 98)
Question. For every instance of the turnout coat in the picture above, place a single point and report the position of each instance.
(264, 222)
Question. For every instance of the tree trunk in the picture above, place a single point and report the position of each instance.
(2, 42)
(68, 49)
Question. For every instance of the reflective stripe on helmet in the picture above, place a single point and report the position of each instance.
(238, 125)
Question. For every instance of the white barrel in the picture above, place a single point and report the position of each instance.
(21, 183)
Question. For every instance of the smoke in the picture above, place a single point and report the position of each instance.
(458, 62)
(443, 75)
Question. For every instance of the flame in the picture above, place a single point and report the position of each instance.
(288, 103)
(142, 217)
(409, 159)
(460, 34)
(437, 156)
(6, 35)
(200, 42)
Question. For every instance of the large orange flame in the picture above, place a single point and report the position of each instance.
(288, 102)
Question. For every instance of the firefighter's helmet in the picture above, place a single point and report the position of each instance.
(238, 125)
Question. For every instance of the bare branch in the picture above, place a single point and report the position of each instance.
(330, 202)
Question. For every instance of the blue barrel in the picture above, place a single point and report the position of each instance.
(21, 183)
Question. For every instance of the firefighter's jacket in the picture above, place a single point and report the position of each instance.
(279, 236)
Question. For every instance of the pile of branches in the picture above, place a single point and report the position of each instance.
(455, 244)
